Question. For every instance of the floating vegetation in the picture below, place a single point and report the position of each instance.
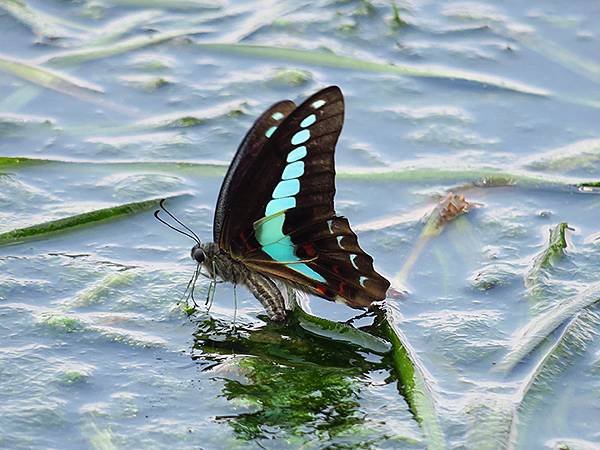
(292, 77)
(448, 209)
(554, 251)
(396, 20)
(147, 83)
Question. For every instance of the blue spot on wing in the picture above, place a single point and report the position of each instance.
(270, 132)
(286, 188)
(280, 204)
(293, 170)
(269, 234)
(296, 154)
(300, 137)
(305, 270)
(308, 121)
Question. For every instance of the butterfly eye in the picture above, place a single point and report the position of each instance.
(198, 254)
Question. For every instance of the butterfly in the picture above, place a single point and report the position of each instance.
(275, 219)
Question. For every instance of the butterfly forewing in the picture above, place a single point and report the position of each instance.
(281, 220)
(249, 150)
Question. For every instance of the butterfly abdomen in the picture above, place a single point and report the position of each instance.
(226, 268)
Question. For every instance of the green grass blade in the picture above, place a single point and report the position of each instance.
(320, 58)
(413, 380)
(117, 28)
(94, 52)
(480, 177)
(45, 229)
(12, 162)
(414, 384)
(50, 79)
(529, 337)
(339, 331)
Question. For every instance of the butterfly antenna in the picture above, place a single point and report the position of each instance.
(162, 206)
(194, 237)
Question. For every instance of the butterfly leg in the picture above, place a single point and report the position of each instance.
(212, 287)
(267, 293)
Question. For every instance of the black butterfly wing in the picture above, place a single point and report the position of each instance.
(330, 249)
(261, 176)
(281, 221)
(248, 151)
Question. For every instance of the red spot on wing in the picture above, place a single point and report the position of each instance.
(322, 290)
(309, 249)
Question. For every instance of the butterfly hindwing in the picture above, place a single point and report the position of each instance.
(281, 221)
(330, 249)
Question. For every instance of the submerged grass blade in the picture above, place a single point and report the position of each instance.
(40, 23)
(50, 79)
(529, 337)
(74, 222)
(184, 5)
(572, 342)
(554, 251)
(95, 52)
(19, 98)
(319, 58)
(114, 29)
(479, 177)
(578, 155)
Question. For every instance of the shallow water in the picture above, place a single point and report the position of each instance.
(97, 352)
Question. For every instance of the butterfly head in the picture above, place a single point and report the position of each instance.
(198, 254)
